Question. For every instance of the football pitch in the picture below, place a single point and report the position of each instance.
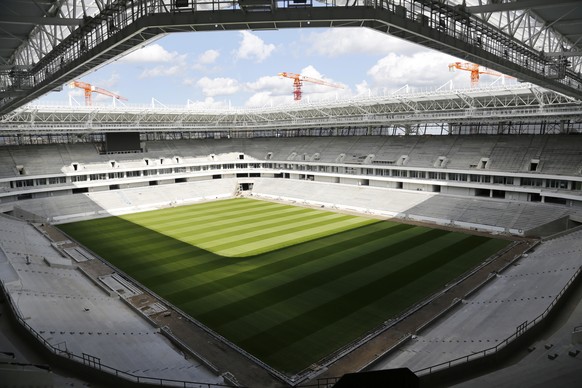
(290, 285)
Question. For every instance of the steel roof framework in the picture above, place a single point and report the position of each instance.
(56, 52)
(552, 27)
(523, 101)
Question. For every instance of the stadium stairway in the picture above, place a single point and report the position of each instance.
(73, 315)
(486, 318)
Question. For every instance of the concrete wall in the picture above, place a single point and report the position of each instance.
(456, 190)
(374, 183)
(326, 179)
(416, 186)
(98, 188)
(349, 181)
(550, 228)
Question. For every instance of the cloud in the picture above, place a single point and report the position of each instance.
(425, 69)
(253, 48)
(208, 102)
(363, 89)
(218, 86)
(150, 54)
(173, 62)
(163, 71)
(269, 91)
(346, 41)
(274, 85)
(112, 80)
(208, 57)
(107, 81)
(265, 98)
(324, 91)
(78, 94)
(272, 91)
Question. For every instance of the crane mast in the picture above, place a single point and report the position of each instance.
(298, 80)
(90, 89)
(475, 70)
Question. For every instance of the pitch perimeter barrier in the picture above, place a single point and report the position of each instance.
(494, 275)
(348, 348)
(95, 362)
(309, 373)
(164, 330)
(447, 310)
(269, 369)
(562, 233)
(517, 257)
(64, 356)
(521, 329)
(178, 342)
(200, 325)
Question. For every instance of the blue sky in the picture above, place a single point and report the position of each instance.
(239, 68)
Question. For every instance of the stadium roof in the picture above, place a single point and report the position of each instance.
(563, 16)
(399, 113)
(46, 43)
(18, 20)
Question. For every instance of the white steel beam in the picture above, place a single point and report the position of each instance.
(518, 5)
(519, 102)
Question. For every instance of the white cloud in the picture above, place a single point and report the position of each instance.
(253, 48)
(363, 89)
(274, 85)
(163, 71)
(173, 62)
(111, 81)
(151, 53)
(77, 95)
(425, 69)
(208, 57)
(208, 102)
(324, 91)
(270, 90)
(102, 97)
(345, 41)
(265, 98)
(218, 86)
(205, 60)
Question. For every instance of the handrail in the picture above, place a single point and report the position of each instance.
(490, 91)
(94, 362)
(432, 23)
(520, 330)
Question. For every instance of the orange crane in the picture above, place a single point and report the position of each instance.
(298, 80)
(89, 89)
(475, 70)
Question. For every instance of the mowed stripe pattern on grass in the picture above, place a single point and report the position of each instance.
(288, 284)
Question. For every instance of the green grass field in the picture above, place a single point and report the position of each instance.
(288, 284)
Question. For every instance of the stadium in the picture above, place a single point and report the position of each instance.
(411, 239)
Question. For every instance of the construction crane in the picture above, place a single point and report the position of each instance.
(475, 70)
(298, 80)
(89, 89)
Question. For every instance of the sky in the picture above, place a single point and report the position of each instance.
(240, 69)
